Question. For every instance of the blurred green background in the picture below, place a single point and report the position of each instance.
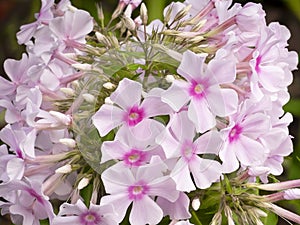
(14, 13)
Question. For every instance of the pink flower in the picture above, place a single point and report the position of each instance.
(177, 142)
(202, 90)
(26, 199)
(44, 16)
(133, 150)
(79, 214)
(128, 111)
(138, 187)
(72, 27)
(241, 144)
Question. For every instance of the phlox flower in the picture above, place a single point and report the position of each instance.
(79, 214)
(133, 150)
(138, 187)
(241, 144)
(128, 109)
(201, 90)
(177, 142)
(25, 201)
(43, 17)
(72, 27)
(177, 210)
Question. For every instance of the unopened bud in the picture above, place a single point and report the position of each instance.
(100, 12)
(64, 119)
(101, 38)
(144, 14)
(182, 13)
(84, 66)
(89, 98)
(83, 183)
(170, 78)
(68, 91)
(129, 23)
(196, 204)
(109, 85)
(64, 169)
(71, 143)
(107, 100)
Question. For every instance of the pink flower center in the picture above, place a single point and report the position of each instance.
(137, 191)
(257, 66)
(35, 195)
(90, 218)
(135, 115)
(188, 150)
(196, 90)
(134, 157)
(235, 133)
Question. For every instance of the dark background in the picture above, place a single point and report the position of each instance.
(14, 13)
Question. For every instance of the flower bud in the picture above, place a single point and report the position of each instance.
(129, 23)
(64, 119)
(170, 78)
(64, 169)
(84, 66)
(71, 143)
(68, 91)
(144, 14)
(89, 98)
(107, 100)
(196, 204)
(83, 183)
(109, 85)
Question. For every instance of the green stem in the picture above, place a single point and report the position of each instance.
(197, 221)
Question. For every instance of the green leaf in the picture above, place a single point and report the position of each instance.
(271, 219)
(293, 106)
(86, 194)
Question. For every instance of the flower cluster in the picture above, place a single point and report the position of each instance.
(163, 122)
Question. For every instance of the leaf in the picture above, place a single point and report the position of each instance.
(293, 106)
(271, 219)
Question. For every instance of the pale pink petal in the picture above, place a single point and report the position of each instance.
(70, 209)
(222, 102)
(112, 150)
(248, 151)
(271, 77)
(59, 220)
(201, 116)
(15, 168)
(107, 118)
(26, 32)
(147, 130)
(221, 71)
(6, 87)
(164, 187)
(82, 24)
(182, 127)
(117, 179)
(205, 171)
(127, 94)
(177, 95)
(255, 125)
(155, 107)
(229, 159)
(144, 130)
(176, 210)
(120, 203)
(169, 144)
(191, 66)
(209, 143)
(181, 175)
(145, 211)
